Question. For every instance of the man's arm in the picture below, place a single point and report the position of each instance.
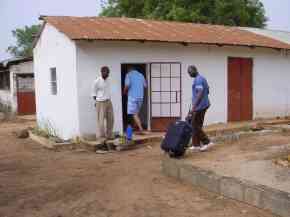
(127, 85)
(199, 88)
(95, 89)
(145, 83)
(126, 89)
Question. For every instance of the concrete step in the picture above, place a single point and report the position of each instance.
(137, 142)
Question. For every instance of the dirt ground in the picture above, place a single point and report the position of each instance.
(35, 182)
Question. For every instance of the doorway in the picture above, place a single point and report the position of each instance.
(25, 94)
(144, 109)
(240, 91)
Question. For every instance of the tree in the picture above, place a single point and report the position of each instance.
(224, 12)
(24, 41)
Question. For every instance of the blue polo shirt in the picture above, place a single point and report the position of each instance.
(136, 83)
(200, 84)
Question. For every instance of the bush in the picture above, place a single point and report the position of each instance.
(46, 130)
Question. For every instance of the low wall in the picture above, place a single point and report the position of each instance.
(273, 200)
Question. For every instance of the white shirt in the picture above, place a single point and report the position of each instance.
(101, 89)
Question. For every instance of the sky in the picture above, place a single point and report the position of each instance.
(18, 13)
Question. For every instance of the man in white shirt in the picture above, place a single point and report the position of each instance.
(104, 108)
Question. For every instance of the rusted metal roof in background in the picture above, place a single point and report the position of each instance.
(15, 61)
(129, 29)
(276, 34)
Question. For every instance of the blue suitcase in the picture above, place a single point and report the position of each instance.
(177, 138)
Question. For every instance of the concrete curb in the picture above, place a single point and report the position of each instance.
(233, 137)
(263, 197)
(89, 145)
(268, 124)
(136, 143)
(48, 144)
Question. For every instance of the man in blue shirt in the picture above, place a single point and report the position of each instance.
(200, 104)
(135, 84)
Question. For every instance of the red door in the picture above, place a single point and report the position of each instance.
(240, 94)
(25, 94)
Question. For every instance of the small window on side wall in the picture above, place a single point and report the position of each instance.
(53, 81)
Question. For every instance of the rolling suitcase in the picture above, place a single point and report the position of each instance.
(177, 138)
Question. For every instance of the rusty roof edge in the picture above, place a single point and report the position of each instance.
(284, 47)
(15, 61)
(184, 42)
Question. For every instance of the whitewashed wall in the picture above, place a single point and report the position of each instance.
(272, 85)
(271, 76)
(5, 97)
(60, 111)
(72, 113)
(91, 56)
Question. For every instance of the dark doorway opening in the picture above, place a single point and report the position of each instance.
(144, 110)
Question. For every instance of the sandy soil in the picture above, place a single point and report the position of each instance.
(35, 182)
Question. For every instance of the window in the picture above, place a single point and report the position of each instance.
(166, 90)
(5, 80)
(25, 82)
(53, 81)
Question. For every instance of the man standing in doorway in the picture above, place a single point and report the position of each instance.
(200, 104)
(104, 108)
(135, 84)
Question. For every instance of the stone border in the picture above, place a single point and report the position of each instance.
(263, 197)
(92, 145)
(135, 144)
(48, 144)
(264, 123)
(233, 137)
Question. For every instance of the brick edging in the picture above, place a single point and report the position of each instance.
(263, 197)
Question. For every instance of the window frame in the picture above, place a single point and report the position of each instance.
(53, 81)
(5, 80)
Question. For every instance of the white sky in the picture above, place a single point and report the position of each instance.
(18, 13)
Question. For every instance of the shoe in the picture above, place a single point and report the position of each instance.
(211, 144)
(103, 147)
(204, 148)
(110, 138)
(194, 148)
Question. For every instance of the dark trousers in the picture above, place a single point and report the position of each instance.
(198, 136)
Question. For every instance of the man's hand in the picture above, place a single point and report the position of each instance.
(125, 91)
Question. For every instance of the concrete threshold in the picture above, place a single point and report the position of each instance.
(137, 142)
(263, 197)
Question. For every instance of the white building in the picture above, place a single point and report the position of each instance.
(17, 86)
(248, 73)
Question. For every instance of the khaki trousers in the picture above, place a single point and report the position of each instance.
(105, 119)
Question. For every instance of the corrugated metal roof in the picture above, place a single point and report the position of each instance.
(15, 60)
(276, 34)
(129, 29)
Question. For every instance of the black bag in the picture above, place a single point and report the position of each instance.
(177, 138)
